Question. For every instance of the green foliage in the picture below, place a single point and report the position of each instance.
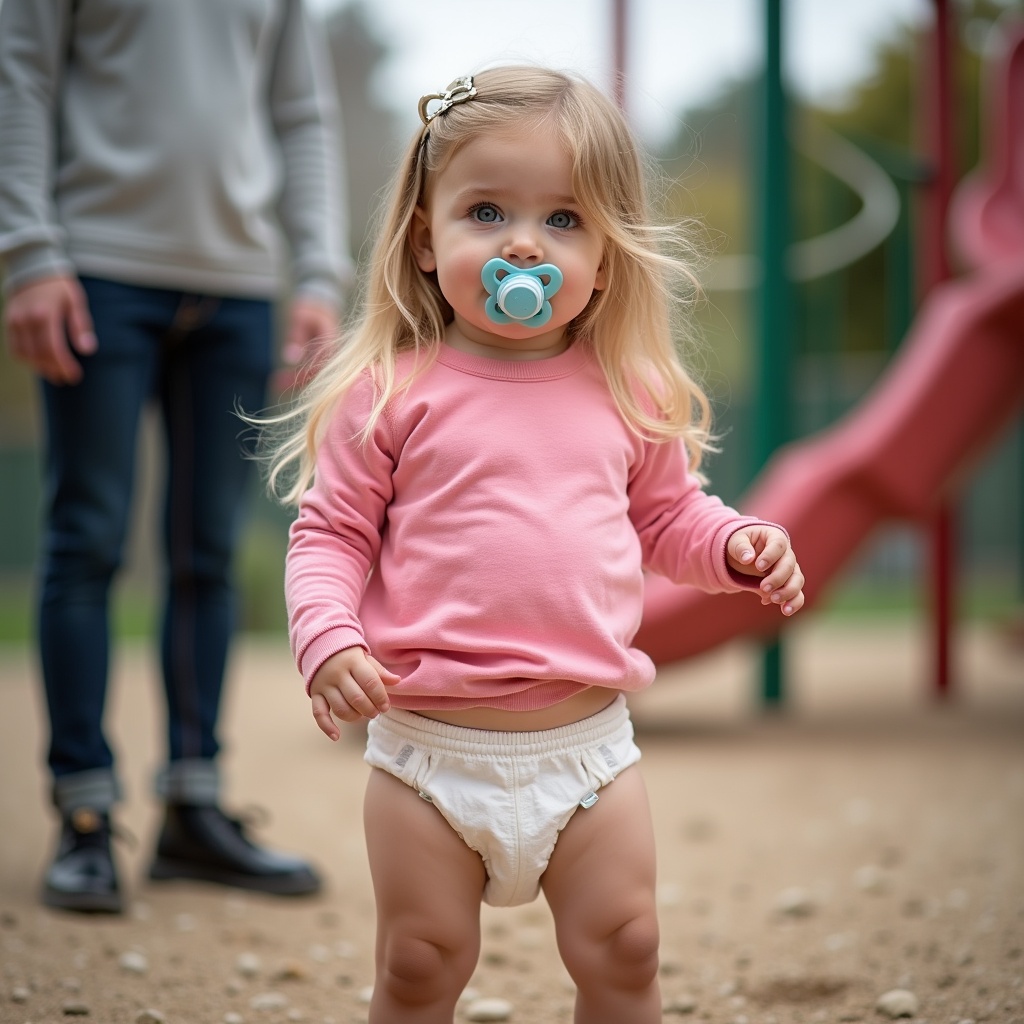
(17, 397)
(261, 577)
(133, 611)
(994, 599)
(711, 157)
(134, 608)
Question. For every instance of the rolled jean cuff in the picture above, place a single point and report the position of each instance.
(97, 789)
(189, 781)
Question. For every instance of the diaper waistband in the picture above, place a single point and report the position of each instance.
(458, 738)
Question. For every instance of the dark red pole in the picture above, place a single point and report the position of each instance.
(939, 112)
(936, 269)
(943, 554)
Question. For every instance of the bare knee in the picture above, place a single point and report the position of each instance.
(416, 971)
(633, 950)
(412, 967)
(624, 958)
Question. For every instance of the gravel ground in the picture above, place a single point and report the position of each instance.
(862, 843)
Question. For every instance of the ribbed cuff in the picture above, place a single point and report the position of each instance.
(33, 263)
(189, 781)
(97, 789)
(322, 647)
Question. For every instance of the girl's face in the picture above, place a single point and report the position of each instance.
(507, 195)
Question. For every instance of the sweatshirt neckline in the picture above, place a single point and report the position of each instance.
(563, 365)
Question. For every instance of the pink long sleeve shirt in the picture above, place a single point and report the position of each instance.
(488, 543)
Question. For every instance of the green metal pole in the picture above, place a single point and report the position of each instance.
(1020, 522)
(772, 419)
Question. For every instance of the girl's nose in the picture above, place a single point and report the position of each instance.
(522, 247)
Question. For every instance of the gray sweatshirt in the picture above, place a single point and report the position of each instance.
(186, 144)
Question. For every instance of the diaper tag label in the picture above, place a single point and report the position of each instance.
(403, 755)
(609, 758)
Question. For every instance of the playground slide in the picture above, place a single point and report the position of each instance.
(987, 215)
(954, 386)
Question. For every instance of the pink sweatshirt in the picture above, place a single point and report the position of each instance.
(487, 544)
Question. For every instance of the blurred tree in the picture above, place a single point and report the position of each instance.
(712, 153)
(707, 163)
(883, 115)
(846, 323)
(370, 131)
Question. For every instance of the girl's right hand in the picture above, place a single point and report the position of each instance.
(349, 685)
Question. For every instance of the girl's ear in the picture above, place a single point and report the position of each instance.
(420, 241)
(600, 280)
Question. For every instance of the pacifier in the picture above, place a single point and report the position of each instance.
(517, 295)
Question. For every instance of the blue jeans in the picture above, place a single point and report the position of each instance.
(199, 357)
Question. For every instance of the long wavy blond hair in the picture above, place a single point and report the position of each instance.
(650, 285)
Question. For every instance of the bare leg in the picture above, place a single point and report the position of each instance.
(428, 886)
(600, 886)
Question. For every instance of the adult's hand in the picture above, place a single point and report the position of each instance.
(47, 322)
(310, 322)
(312, 325)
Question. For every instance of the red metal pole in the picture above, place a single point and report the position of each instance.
(620, 20)
(939, 113)
(936, 268)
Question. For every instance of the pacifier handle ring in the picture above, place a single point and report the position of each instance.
(515, 287)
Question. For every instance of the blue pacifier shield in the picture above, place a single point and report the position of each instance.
(517, 295)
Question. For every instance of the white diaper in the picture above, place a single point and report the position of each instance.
(507, 794)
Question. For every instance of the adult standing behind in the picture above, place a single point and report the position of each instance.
(162, 165)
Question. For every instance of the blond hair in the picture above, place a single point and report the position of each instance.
(628, 325)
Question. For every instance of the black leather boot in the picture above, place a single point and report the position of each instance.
(82, 876)
(201, 842)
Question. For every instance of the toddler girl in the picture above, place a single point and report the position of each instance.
(483, 471)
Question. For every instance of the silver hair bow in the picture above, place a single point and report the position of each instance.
(459, 91)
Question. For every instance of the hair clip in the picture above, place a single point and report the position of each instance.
(459, 91)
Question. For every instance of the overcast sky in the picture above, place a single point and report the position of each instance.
(680, 51)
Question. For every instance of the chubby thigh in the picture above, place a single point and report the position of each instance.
(600, 885)
(427, 886)
(603, 868)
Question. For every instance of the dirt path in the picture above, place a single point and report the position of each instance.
(864, 841)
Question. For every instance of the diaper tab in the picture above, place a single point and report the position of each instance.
(589, 800)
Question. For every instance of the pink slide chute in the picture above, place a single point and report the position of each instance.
(955, 385)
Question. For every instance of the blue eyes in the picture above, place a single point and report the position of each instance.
(485, 213)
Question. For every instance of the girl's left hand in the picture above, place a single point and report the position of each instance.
(765, 551)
